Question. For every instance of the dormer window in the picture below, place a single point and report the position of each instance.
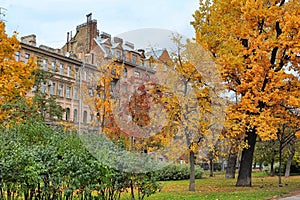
(107, 50)
(118, 54)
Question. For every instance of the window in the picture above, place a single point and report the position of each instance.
(137, 74)
(61, 69)
(75, 75)
(52, 89)
(84, 117)
(18, 56)
(43, 87)
(53, 66)
(60, 90)
(69, 71)
(68, 92)
(134, 58)
(67, 114)
(26, 58)
(113, 85)
(165, 68)
(75, 93)
(118, 54)
(91, 117)
(107, 50)
(125, 73)
(93, 58)
(75, 115)
(44, 64)
(91, 92)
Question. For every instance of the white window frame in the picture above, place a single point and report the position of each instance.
(69, 71)
(68, 92)
(61, 69)
(60, 91)
(45, 64)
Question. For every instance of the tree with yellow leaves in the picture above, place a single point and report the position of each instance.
(256, 44)
(198, 89)
(167, 115)
(16, 77)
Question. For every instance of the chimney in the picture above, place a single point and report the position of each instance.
(29, 39)
(118, 40)
(68, 34)
(130, 45)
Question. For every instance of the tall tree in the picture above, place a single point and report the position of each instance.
(256, 44)
(16, 77)
(201, 116)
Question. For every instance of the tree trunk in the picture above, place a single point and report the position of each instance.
(211, 167)
(192, 171)
(132, 189)
(245, 171)
(272, 167)
(289, 161)
(230, 170)
(280, 164)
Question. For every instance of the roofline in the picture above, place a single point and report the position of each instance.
(50, 53)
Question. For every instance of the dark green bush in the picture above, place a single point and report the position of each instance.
(178, 172)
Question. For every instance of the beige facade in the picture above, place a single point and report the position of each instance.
(75, 68)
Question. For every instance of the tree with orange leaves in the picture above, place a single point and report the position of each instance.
(16, 77)
(256, 44)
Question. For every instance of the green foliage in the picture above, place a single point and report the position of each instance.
(178, 172)
(42, 162)
(46, 104)
(295, 167)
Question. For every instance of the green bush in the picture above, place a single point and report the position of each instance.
(42, 162)
(178, 172)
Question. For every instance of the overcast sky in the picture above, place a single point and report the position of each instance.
(50, 20)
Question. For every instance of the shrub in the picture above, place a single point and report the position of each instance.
(178, 172)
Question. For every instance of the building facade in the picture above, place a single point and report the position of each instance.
(75, 68)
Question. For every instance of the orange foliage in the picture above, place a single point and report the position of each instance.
(256, 44)
(16, 77)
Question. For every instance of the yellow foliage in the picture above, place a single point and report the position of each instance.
(16, 77)
(256, 44)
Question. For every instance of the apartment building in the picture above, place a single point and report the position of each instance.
(75, 68)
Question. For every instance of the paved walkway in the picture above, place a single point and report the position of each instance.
(291, 196)
(296, 197)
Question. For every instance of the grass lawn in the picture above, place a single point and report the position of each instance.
(263, 187)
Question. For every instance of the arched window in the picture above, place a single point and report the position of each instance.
(67, 114)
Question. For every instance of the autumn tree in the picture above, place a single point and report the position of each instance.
(109, 75)
(202, 108)
(16, 77)
(256, 44)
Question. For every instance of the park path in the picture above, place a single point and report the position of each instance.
(295, 197)
(291, 196)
